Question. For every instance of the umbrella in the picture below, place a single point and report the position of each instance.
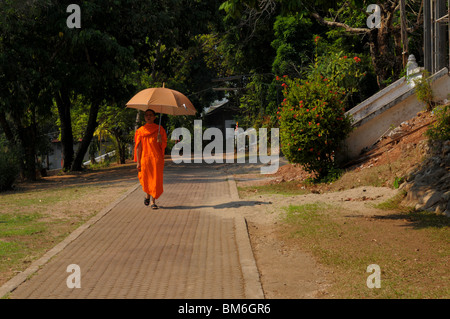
(162, 100)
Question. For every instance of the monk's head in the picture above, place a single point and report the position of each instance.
(149, 116)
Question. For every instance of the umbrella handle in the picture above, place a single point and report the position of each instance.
(158, 139)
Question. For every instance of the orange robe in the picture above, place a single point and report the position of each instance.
(152, 158)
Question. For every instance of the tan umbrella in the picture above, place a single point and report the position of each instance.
(162, 100)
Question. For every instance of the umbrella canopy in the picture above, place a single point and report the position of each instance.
(162, 100)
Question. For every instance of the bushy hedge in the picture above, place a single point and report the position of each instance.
(313, 123)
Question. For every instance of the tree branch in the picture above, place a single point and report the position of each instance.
(339, 25)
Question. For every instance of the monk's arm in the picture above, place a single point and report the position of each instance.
(139, 155)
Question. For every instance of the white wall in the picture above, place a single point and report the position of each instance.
(388, 108)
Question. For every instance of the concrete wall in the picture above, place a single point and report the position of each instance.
(388, 108)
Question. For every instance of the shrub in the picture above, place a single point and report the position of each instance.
(424, 92)
(441, 129)
(313, 123)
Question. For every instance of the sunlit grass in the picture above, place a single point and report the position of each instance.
(348, 245)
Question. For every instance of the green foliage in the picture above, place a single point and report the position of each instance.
(313, 123)
(424, 93)
(441, 129)
(257, 102)
(292, 43)
(116, 124)
(341, 70)
(44, 64)
(9, 167)
(397, 182)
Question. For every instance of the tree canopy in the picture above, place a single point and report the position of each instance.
(73, 80)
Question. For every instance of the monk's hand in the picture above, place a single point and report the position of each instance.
(138, 167)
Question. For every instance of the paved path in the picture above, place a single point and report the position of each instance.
(194, 246)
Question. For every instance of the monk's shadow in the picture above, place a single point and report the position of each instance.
(234, 204)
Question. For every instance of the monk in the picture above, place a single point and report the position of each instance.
(149, 154)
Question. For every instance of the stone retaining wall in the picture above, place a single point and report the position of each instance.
(428, 185)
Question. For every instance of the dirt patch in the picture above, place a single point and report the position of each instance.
(288, 269)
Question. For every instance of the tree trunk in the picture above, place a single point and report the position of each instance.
(386, 64)
(27, 140)
(29, 146)
(6, 128)
(87, 137)
(63, 103)
(122, 148)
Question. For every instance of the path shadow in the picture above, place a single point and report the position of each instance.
(233, 204)
(109, 176)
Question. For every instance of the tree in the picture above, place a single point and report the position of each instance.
(92, 62)
(384, 43)
(293, 34)
(41, 57)
(43, 60)
(116, 123)
(24, 92)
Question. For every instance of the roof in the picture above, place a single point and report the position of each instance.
(215, 106)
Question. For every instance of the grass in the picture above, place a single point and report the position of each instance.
(411, 249)
(36, 218)
(28, 226)
(309, 220)
(19, 237)
(393, 203)
(285, 188)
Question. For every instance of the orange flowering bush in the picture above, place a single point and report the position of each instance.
(312, 119)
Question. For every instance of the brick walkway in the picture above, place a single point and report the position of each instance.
(194, 246)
